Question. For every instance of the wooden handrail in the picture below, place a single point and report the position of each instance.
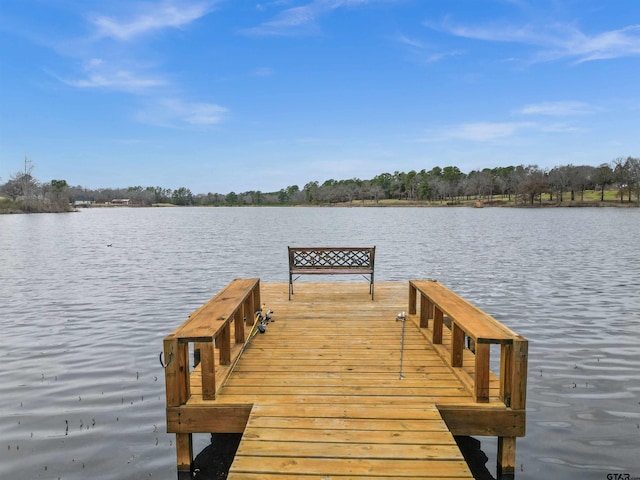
(209, 328)
(468, 321)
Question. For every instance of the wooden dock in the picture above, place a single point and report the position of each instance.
(335, 390)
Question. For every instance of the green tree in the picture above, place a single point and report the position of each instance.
(182, 196)
(603, 176)
(452, 176)
(231, 198)
(311, 191)
(59, 188)
(384, 181)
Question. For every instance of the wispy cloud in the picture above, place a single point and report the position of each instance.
(556, 41)
(421, 53)
(169, 14)
(557, 109)
(478, 131)
(411, 42)
(176, 113)
(101, 74)
(301, 19)
(491, 132)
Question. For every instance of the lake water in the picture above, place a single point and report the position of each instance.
(82, 390)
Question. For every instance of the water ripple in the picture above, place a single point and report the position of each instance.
(82, 392)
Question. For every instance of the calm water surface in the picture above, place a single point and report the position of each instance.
(82, 391)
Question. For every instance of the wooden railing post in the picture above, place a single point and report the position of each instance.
(506, 373)
(426, 311)
(208, 370)
(223, 342)
(457, 345)
(438, 320)
(519, 374)
(247, 311)
(176, 372)
(256, 298)
(238, 323)
(481, 384)
(412, 300)
(171, 379)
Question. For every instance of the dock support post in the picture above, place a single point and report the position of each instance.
(184, 451)
(506, 468)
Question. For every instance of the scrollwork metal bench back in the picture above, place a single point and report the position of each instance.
(331, 261)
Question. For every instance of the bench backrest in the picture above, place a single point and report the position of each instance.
(329, 258)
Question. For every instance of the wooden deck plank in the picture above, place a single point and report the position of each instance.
(350, 450)
(386, 437)
(329, 468)
(284, 476)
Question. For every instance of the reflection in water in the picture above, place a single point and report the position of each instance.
(82, 391)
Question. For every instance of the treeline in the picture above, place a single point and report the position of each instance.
(24, 193)
(523, 185)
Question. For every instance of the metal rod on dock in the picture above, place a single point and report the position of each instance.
(402, 317)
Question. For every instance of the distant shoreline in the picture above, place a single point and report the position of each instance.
(13, 209)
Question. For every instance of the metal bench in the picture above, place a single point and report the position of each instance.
(331, 261)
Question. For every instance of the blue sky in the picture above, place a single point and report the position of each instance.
(235, 95)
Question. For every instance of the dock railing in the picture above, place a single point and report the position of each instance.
(467, 348)
(206, 337)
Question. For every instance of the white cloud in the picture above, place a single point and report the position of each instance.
(412, 42)
(170, 14)
(565, 108)
(424, 54)
(176, 113)
(478, 131)
(301, 19)
(436, 57)
(556, 41)
(101, 74)
(488, 132)
(613, 44)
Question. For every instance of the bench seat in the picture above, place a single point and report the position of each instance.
(331, 261)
